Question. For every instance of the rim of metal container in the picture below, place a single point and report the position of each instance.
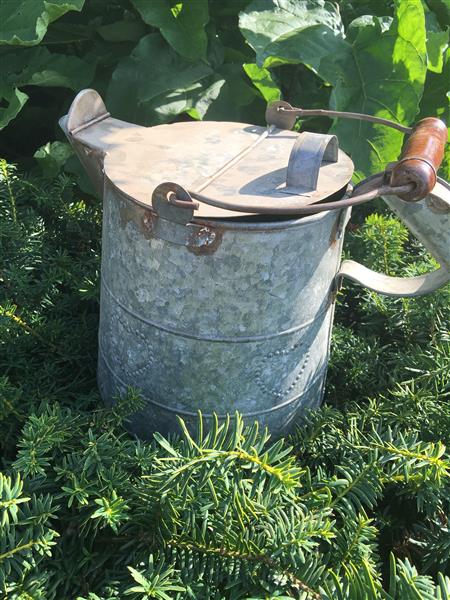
(255, 171)
(233, 223)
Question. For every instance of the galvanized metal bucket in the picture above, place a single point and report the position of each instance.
(214, 310)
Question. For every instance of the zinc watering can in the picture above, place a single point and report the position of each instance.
(221, 256)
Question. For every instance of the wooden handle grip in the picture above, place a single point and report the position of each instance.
(421, 158)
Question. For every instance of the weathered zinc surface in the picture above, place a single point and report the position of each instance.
(243, 326)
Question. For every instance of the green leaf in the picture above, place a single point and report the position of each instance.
(237, 100)
(384, 76)
(262, 80)
(441, 9)
(157, 75)
(202, 101)
(436, 103)
(52, 157)
(318, 46)
(380, 70)
(11, 102)
(437, 43)
(122, 31)
(165, 444)
(74, 167)
(194, 100)
(269, 25)
(138, 577)
(25, 22)
(38, 66)
(181, 23)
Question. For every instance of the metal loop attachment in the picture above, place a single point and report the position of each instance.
(172, 199)
(173, 203)
(281, 114)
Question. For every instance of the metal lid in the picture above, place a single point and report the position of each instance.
(245, 165)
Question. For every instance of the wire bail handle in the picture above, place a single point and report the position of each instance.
(411, 178)
(421, 156)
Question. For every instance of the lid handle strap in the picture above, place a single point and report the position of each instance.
(307, 155)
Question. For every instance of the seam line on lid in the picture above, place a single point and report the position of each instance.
(233, 161)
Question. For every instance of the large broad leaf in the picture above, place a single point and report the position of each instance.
(38, 66)
(52, 157)
(441, 8)
(25, 22)
(237, 101)
(380, 70)
(11, 102)
(262, 80)
(181, 23)
(436, 103)
(437, 42)
(303, 87)
(154, 72)
(436, 97)
(194, 100)
(284, 31)
(266, 23)
(122, 31)
(384, 76)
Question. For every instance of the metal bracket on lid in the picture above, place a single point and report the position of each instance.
(87, 109)
(282, 119)
(307, 155)
(94, 134)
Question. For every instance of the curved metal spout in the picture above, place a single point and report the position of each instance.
(92, 133)
(428, 220)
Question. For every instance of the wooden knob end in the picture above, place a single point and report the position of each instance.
(421, 158)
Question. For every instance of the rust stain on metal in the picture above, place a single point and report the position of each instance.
(148, 220)
(142, 218)
(334, 233)
(338, 228)
(205, 240)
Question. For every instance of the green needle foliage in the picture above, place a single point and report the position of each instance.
(354, 506)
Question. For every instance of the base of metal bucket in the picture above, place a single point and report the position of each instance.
(156, 417)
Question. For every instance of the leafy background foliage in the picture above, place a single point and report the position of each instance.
(353, 506)
(158, 61)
